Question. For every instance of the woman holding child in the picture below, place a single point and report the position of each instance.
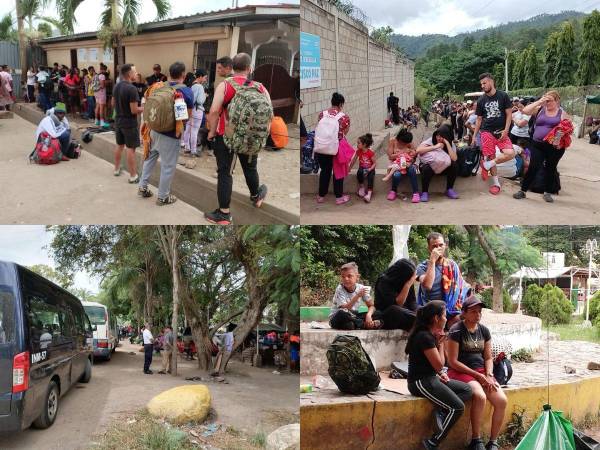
(402, 156)
(438, 157)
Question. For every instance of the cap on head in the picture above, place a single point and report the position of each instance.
(470, 302)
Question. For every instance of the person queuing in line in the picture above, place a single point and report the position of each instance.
(72, 82)
(494, 117)
(432, 162)
(218, 119)
(365, 174)
(6, 90)
(99, 86)
(224, 67)
(125, 100)
(328, 119)
(157, 76)
(427, 376)
(402, 155)
(440, 278)
(469, 351)
(166, 145)
(168, 341)
(44, 88)
(344, 314)
(148, 342)
(395, 302)
(31, 84)
(190, 137)
(548, 114)
(88, 81)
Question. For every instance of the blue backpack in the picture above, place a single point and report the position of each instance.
(309, 163)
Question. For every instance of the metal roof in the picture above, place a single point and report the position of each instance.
(244, 15)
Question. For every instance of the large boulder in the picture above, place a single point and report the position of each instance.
(285, 438)
(182, 404)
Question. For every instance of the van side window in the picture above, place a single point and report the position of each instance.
(7, 317)
(46, 326)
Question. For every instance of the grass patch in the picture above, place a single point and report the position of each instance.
(259, 439)
(574, 332)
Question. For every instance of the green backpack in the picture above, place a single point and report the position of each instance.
(250, 113)
(350, 366)
(159, 110)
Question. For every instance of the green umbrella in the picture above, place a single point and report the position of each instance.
(551, 431)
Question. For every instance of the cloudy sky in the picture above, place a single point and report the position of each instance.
(452, 17)
(28, 245)
(89, 12)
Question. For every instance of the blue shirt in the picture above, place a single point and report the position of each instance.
(188, 96)
(436, 288)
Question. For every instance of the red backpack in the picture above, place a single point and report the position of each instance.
(46, 151)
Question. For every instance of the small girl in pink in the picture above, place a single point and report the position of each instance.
(402, 162)
(366, 166)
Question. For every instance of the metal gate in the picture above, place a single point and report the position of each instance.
(282, 89)
(9, 54)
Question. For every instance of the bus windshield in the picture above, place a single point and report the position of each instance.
(96, 314)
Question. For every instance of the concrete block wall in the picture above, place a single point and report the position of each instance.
(354, 65)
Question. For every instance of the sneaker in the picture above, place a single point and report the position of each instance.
(117, 172)
(168, 200)
(451, 193)
(416, 198)
(519, 195)
(218, 217)
(148, 372)
(494, 189)
(492, 445)
(145, 192)
(476, 444)
(429, 444)
(367, 197)
(424, 197)
(361, 192)
(162, 372)
(134, 180)
(97, 123)
(548, 197)
(320, 199)
(343, 199)
(258, 199)
(392, 196)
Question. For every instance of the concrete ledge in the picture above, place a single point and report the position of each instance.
(6, 115)
(191, 187)
(387, 420)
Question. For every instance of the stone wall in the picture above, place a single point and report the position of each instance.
(363, 71)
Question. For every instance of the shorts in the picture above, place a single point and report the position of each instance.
(465, 378)
(130, 137)
(489, 144)
(100, 98)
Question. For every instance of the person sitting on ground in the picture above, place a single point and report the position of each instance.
(427, 376)
(402, 155)
(442, 139)
(55, 123)
(365, 174)
(440, 278)
(344, 313)
(395, 301)
(469, 351)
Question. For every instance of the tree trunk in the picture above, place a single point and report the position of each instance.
(477, 232)
(22, 41)
(175, 271)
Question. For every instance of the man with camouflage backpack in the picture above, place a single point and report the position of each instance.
(239, 123)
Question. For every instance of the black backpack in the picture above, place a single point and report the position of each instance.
(468, 161)
(502, 369)
(350, 367)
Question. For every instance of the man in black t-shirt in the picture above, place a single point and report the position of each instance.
(494, 117)
(156, 76)
(125, 101)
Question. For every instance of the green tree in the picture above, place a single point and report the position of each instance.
(467, 42)
(7, 31)
(498, 73)
(62, 278)
(551, 60)
(382, 35)
(518, 72)
(589, 56)
(531, 67)
(118, 19)
(549, 303)
(566, 56)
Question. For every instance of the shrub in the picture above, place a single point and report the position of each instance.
(507, 303)
(595, 307)
(549, 303)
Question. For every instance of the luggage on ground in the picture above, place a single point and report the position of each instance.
(350, 367)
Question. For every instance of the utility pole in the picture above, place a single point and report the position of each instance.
(506, 69)
(591, 246)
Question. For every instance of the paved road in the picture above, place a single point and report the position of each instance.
(119, 386)
(82, 191)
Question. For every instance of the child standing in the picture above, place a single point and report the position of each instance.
(366, 166)
(344, 313)
(402, 156)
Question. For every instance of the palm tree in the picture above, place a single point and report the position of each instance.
(119, 19)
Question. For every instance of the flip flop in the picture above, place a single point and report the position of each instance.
(495, 189)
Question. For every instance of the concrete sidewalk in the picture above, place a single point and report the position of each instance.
(81, 191)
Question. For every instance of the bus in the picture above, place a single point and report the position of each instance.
(106, 335)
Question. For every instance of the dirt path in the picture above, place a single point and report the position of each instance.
(253, 398)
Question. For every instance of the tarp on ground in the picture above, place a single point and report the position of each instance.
(592, 99)
(551, 431)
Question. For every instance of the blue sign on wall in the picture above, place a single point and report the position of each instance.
(310, 60)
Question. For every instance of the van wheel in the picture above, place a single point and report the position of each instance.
(86, 376)
(107, 357)
(50, 411)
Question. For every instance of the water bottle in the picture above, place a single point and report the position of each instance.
(402, 162)
(181, 112)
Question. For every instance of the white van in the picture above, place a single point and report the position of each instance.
(106, 336)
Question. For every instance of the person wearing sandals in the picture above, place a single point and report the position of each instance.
(166, 146)
(441, 139)
(427, 376)
(125, 101)
(494, 117)
(332, 127)
(402, 154)
(469, 351)
(548, 114)
(349, 293)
